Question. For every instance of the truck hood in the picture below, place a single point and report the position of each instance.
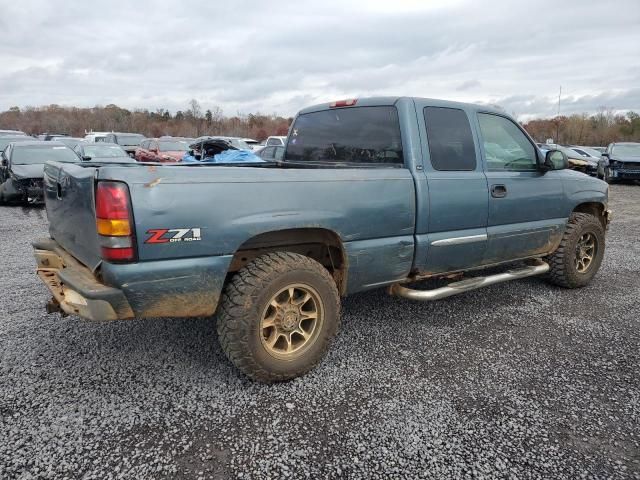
(28, 171)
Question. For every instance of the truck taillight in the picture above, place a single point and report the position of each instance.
(114, 222)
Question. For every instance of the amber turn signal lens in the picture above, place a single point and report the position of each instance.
(113, 228)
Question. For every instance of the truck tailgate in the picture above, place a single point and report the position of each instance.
(69, 198)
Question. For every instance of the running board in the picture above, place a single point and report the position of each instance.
(469, 284)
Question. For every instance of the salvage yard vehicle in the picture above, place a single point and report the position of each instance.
(275, 141)
(378, 192)
(7, 139)
(220, 150)
(163, 149)
(95, 136)
(128, 141)
(253, 143)
(11, 132)
(102, 152)
(51, 136)
(577, 161)
(622, 162)
(22, 166)
(70, 142)
(236, 142)
(270, 153)
(588, 152)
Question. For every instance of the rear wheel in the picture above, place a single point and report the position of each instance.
(278, 316)
(578, 258)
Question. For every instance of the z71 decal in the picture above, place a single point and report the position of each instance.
(169, 235)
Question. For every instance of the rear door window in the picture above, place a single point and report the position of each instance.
(450, 140)
(353, 136)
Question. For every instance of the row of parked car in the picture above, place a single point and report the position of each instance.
(617, 161)
(23, 156)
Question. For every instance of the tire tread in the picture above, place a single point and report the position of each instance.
(241, 293)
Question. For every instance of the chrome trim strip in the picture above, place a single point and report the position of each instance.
(459, 240)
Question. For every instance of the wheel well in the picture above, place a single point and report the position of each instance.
(320, 244)
(593, 208)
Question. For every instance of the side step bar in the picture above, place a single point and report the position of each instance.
(469, 284)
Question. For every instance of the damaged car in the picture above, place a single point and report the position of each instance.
(218, 150)
(622, 162)
(22, 167)
(129, 141)
(102, 152)
(578, 162)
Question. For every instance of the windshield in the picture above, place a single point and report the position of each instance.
(104, 151)
(241, 144)
(129, 139)
(179, 146)
(38, 154)
(627, 150)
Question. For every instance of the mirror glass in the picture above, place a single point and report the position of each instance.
(557, 159)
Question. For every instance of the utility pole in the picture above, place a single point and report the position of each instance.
(558, 118)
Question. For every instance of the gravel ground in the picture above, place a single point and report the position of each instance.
(521, 380)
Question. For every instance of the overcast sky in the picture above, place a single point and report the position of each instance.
(276, 57)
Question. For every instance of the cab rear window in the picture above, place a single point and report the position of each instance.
(356, 135)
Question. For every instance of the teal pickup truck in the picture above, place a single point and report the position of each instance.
(370, 193)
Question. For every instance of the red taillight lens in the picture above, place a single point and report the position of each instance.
(118, 254)
(114, 222)
(112, 201)
(344, 103)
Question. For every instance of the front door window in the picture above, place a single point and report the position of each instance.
(505, 146)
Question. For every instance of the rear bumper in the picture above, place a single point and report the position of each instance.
(188, 287)
(74, 288)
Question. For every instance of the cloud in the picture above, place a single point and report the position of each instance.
(468, 85)
(270, 57)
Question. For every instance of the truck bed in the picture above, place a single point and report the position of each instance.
(231, 205)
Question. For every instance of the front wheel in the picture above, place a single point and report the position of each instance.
(277, 316)
(607, 176)
(578, 258)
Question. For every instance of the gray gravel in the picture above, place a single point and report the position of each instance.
(521, 380)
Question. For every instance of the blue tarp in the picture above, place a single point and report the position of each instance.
(228, 156)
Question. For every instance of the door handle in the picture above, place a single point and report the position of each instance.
(498, 191)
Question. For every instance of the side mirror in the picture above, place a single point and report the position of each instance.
(556, 160)
(4, 161)
(86, 158)
(154, 150)
(605, 154)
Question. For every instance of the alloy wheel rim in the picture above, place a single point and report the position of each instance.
(291, 321)
(586, 250)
